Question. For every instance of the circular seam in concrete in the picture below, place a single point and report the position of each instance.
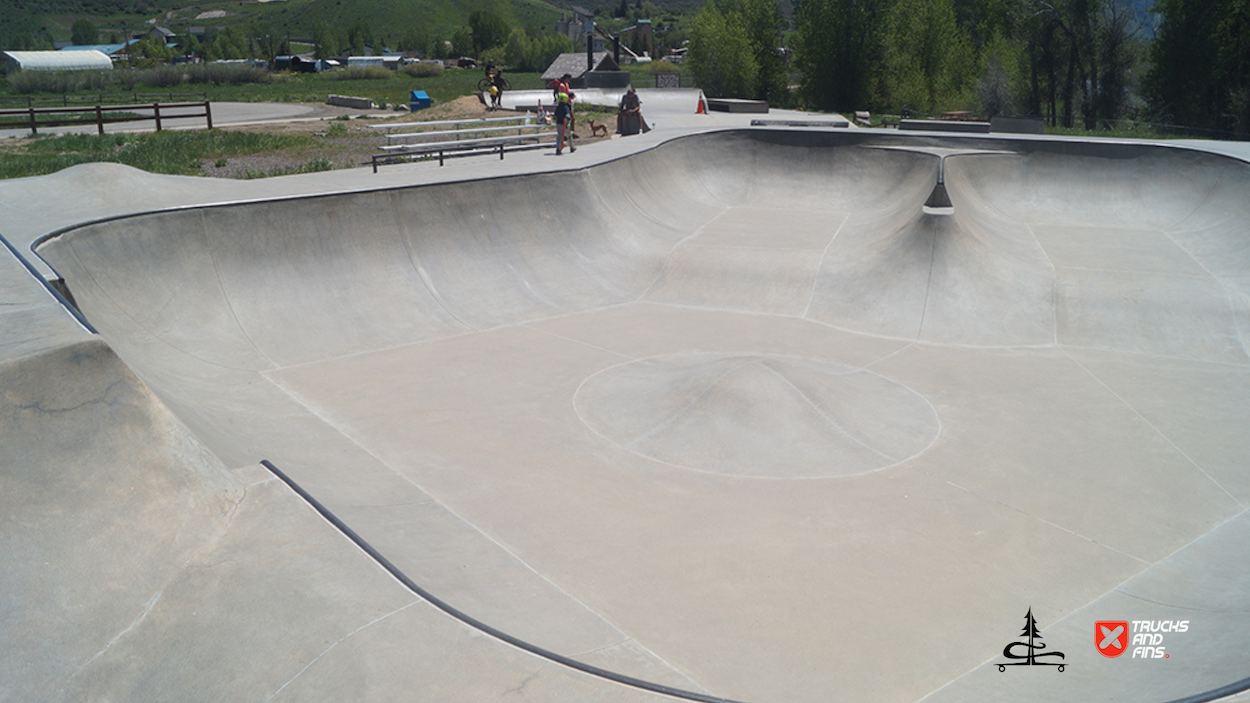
(727, 413)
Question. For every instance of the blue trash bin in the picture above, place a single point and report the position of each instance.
(419, 101)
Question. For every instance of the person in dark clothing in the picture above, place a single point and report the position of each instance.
(629, 119)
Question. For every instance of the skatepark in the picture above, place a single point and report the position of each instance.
(720, 412)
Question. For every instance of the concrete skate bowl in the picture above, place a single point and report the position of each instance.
(739, 415)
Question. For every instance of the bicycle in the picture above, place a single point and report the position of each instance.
(485, 84)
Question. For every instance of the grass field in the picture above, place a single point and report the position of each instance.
(393, 88)
(191, 152)
(171, 152)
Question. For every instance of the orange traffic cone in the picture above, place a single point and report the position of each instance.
(702, 108)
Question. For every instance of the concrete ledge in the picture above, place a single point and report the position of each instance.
(945, 126)
(349, 101)
(841, 124)
(735, 105)
(1017, 125)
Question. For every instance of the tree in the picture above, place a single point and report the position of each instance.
(928, 58)
(325, 41)
(1233, 37)
(229, 43)
(84, 32)
(262, 42)
(517, 50)
(1201, 64)
(190, 46)
(1001, 83)
(359, 36)
(720, 54)
(545, 49)
(488, 29)
(837, 45)
(763, 23)
(734, 49)
(461, 43)
(414, 40)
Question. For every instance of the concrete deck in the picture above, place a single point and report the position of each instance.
(724, 410)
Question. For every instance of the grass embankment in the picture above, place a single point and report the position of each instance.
(188, 152)
(177, 153)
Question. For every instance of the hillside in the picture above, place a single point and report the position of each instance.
(26, 20)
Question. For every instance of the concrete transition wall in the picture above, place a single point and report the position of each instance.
(215, 307)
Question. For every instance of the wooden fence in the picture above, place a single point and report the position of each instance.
(33, 118)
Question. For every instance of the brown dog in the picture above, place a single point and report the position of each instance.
(595, 128)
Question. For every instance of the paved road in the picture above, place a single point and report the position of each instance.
(733, 412)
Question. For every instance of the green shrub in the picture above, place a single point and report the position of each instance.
(359, 73)
(161, 76)
(227, 74)
(662, 66)
(423, 70)
(125, 79)
(60, 82)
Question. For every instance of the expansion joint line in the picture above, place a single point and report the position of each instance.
(476, 624)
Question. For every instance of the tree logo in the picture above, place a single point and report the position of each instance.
(1033, 647)
(1111, 636)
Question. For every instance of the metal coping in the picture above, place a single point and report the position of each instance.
(476, 624)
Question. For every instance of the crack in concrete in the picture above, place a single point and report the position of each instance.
(102, 397)
(336, 643)
(189, 564)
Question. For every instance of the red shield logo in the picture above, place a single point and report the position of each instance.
(1111, 637)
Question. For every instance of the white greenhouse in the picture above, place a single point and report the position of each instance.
(91, 60)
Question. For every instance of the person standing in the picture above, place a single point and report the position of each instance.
(561, 85)
(497, 85)
(564, 122)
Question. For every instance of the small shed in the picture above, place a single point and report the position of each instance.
(296, 64)
(575, 66)
(420, 100)
(90, 60)
(164, 35)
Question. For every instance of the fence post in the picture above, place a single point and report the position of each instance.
(156, 114)
(33, 128)
(99, 120)
(208, 114)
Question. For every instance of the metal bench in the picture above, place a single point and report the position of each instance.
(410, 136)
(463, 147)
(529, 135)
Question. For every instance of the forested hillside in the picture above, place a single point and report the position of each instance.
(30, 24)
(1077, 63)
